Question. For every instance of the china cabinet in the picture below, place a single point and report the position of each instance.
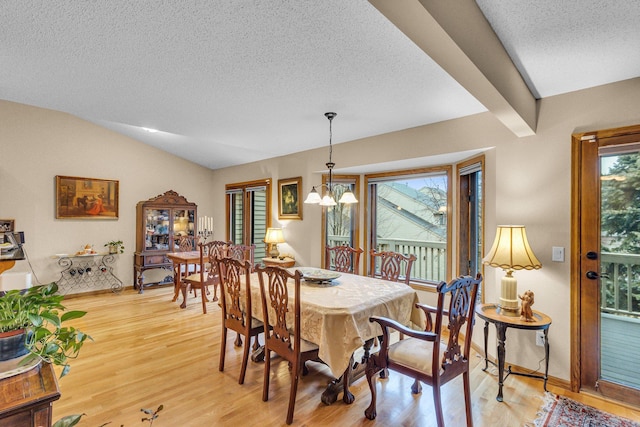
(160, 221)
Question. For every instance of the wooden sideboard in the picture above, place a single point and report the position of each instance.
(26, 399)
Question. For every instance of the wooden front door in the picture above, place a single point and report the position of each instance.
(606, 263)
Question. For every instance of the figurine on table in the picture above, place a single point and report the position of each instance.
(526, 313)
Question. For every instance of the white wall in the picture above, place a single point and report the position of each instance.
(38, 144)
(528, 181)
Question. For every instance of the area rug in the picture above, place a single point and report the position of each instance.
(560, 411)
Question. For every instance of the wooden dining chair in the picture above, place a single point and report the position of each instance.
(208, 273)
(185, 243)
(392, 266)
(282, 334)
(342, 258)
(235, 298)
(421, 355)
(243, 252)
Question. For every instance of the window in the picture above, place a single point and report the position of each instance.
(471, 217)
(409, 214)
(248, 207)
(340, 222)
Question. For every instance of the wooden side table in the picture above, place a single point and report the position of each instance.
(285, 262)
(491, 313)
(26, 399)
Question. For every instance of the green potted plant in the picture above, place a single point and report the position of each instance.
(36, 317)
(115, 246)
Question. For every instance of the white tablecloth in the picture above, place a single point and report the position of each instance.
(336, 316)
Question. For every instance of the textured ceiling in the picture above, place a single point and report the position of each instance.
(561, 46)
(233, 81)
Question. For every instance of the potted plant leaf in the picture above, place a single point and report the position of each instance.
(115, 246)
(36, 316)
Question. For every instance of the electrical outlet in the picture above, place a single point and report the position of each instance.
(540, 338)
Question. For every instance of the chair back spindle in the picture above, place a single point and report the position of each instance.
(343, 258)
(392, 266)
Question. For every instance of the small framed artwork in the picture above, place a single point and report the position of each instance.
(289, 198)
(86, 198)
(7, 226)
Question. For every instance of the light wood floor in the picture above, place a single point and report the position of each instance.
(147, 352)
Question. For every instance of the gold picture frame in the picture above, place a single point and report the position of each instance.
(86, 198)
(290, 198)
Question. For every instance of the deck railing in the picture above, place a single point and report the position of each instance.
(620, 284)
(431, 257)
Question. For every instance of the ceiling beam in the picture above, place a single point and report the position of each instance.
(457, 36)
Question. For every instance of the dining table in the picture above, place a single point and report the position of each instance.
(335, 311)
(180, 259)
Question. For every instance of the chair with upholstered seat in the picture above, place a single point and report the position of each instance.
(282, 335)
(342, 258)
(208, 272)
(392, 266)
(422, 355)
(236, 304)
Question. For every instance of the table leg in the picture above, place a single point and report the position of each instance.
(347, 396)
(486, 341)
(176, 283)
(501, 330)
(352, 373)
(546, 358)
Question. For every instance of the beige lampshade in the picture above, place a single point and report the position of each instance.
(511, 250)
(274, 235)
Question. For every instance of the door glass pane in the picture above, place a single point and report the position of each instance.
(236, 217)
(258, 221)
(620, 268)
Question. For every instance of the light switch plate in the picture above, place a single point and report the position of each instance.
(557, 254)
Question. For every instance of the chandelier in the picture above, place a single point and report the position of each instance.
(328, 199)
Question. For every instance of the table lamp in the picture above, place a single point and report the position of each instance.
(273, 237)
(511, 251)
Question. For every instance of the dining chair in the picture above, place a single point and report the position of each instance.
(243, 252)
(282, 334)
(185, 244)
(421, 355)
(236, 304)
(342, 258)
(207, 274)
(389, 266)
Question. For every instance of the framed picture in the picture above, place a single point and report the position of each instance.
(290, 198)
(6, 225)
(86, 198)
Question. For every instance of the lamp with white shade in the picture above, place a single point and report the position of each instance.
(328, 199)
(272, 238)
(511, 251)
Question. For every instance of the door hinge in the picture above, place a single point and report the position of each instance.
(597, 385)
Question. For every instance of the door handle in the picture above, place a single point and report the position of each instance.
(592, 275)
